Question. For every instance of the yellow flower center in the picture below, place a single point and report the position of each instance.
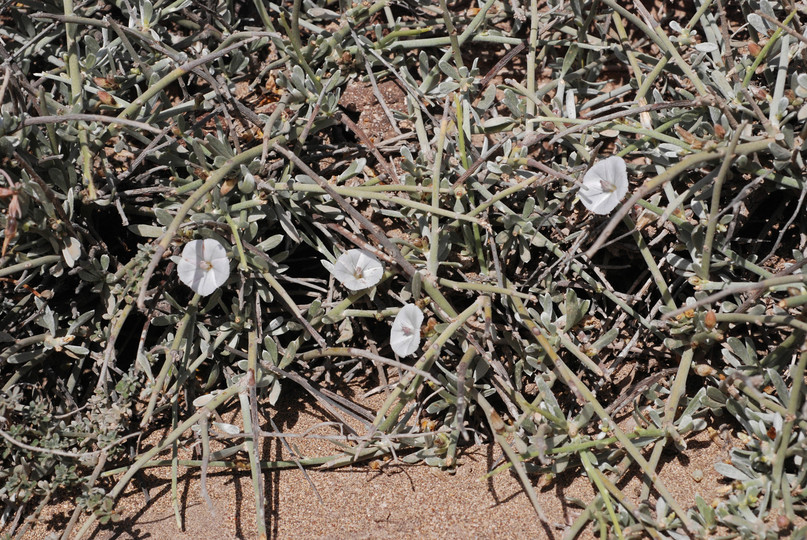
(607, 187)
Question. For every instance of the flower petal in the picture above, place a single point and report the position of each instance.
(206, 284)
(405, 334)
(189, 270)
(220, 271)
(599, 202)
(373, 273)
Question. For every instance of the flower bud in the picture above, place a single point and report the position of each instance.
(710, 320)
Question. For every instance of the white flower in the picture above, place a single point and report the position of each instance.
(404, 337)
(604, 185)
(356, 269)
(204, 266)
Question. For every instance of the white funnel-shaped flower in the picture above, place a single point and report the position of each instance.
(204, 266)
(405, 334)
(604, 185)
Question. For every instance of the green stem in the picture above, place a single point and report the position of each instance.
(796, 400)
(714, 207)
(482, 288)
(77, 99)
(445, 40)
(766, 49)
(661, 283)
(594, 474)
(29, 264)
(157, 389)
(670, 408)
(175, 465)
(434, 237)
(789, 320)
(241, 465)
(452, 34)
(293, 31)
(372, 193)
(393, 38)
(626, 48)
(531, 53)
(242, 265)
(266, 19)
(252, 442)
(499, 434)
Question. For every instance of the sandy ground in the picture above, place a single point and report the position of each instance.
(393, 501)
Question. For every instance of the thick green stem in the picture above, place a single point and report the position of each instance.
(170, 356)
(249, 415)
(594, 474)
(711, 226)
(77, 98)
(661, 283)
(797, 375)
(434, 237)
(670, 408)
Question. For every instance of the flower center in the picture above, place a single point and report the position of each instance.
(407, 330)
(358, 273)
(206, 265)
(608, 187)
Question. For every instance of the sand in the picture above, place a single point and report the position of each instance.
(378, 500)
